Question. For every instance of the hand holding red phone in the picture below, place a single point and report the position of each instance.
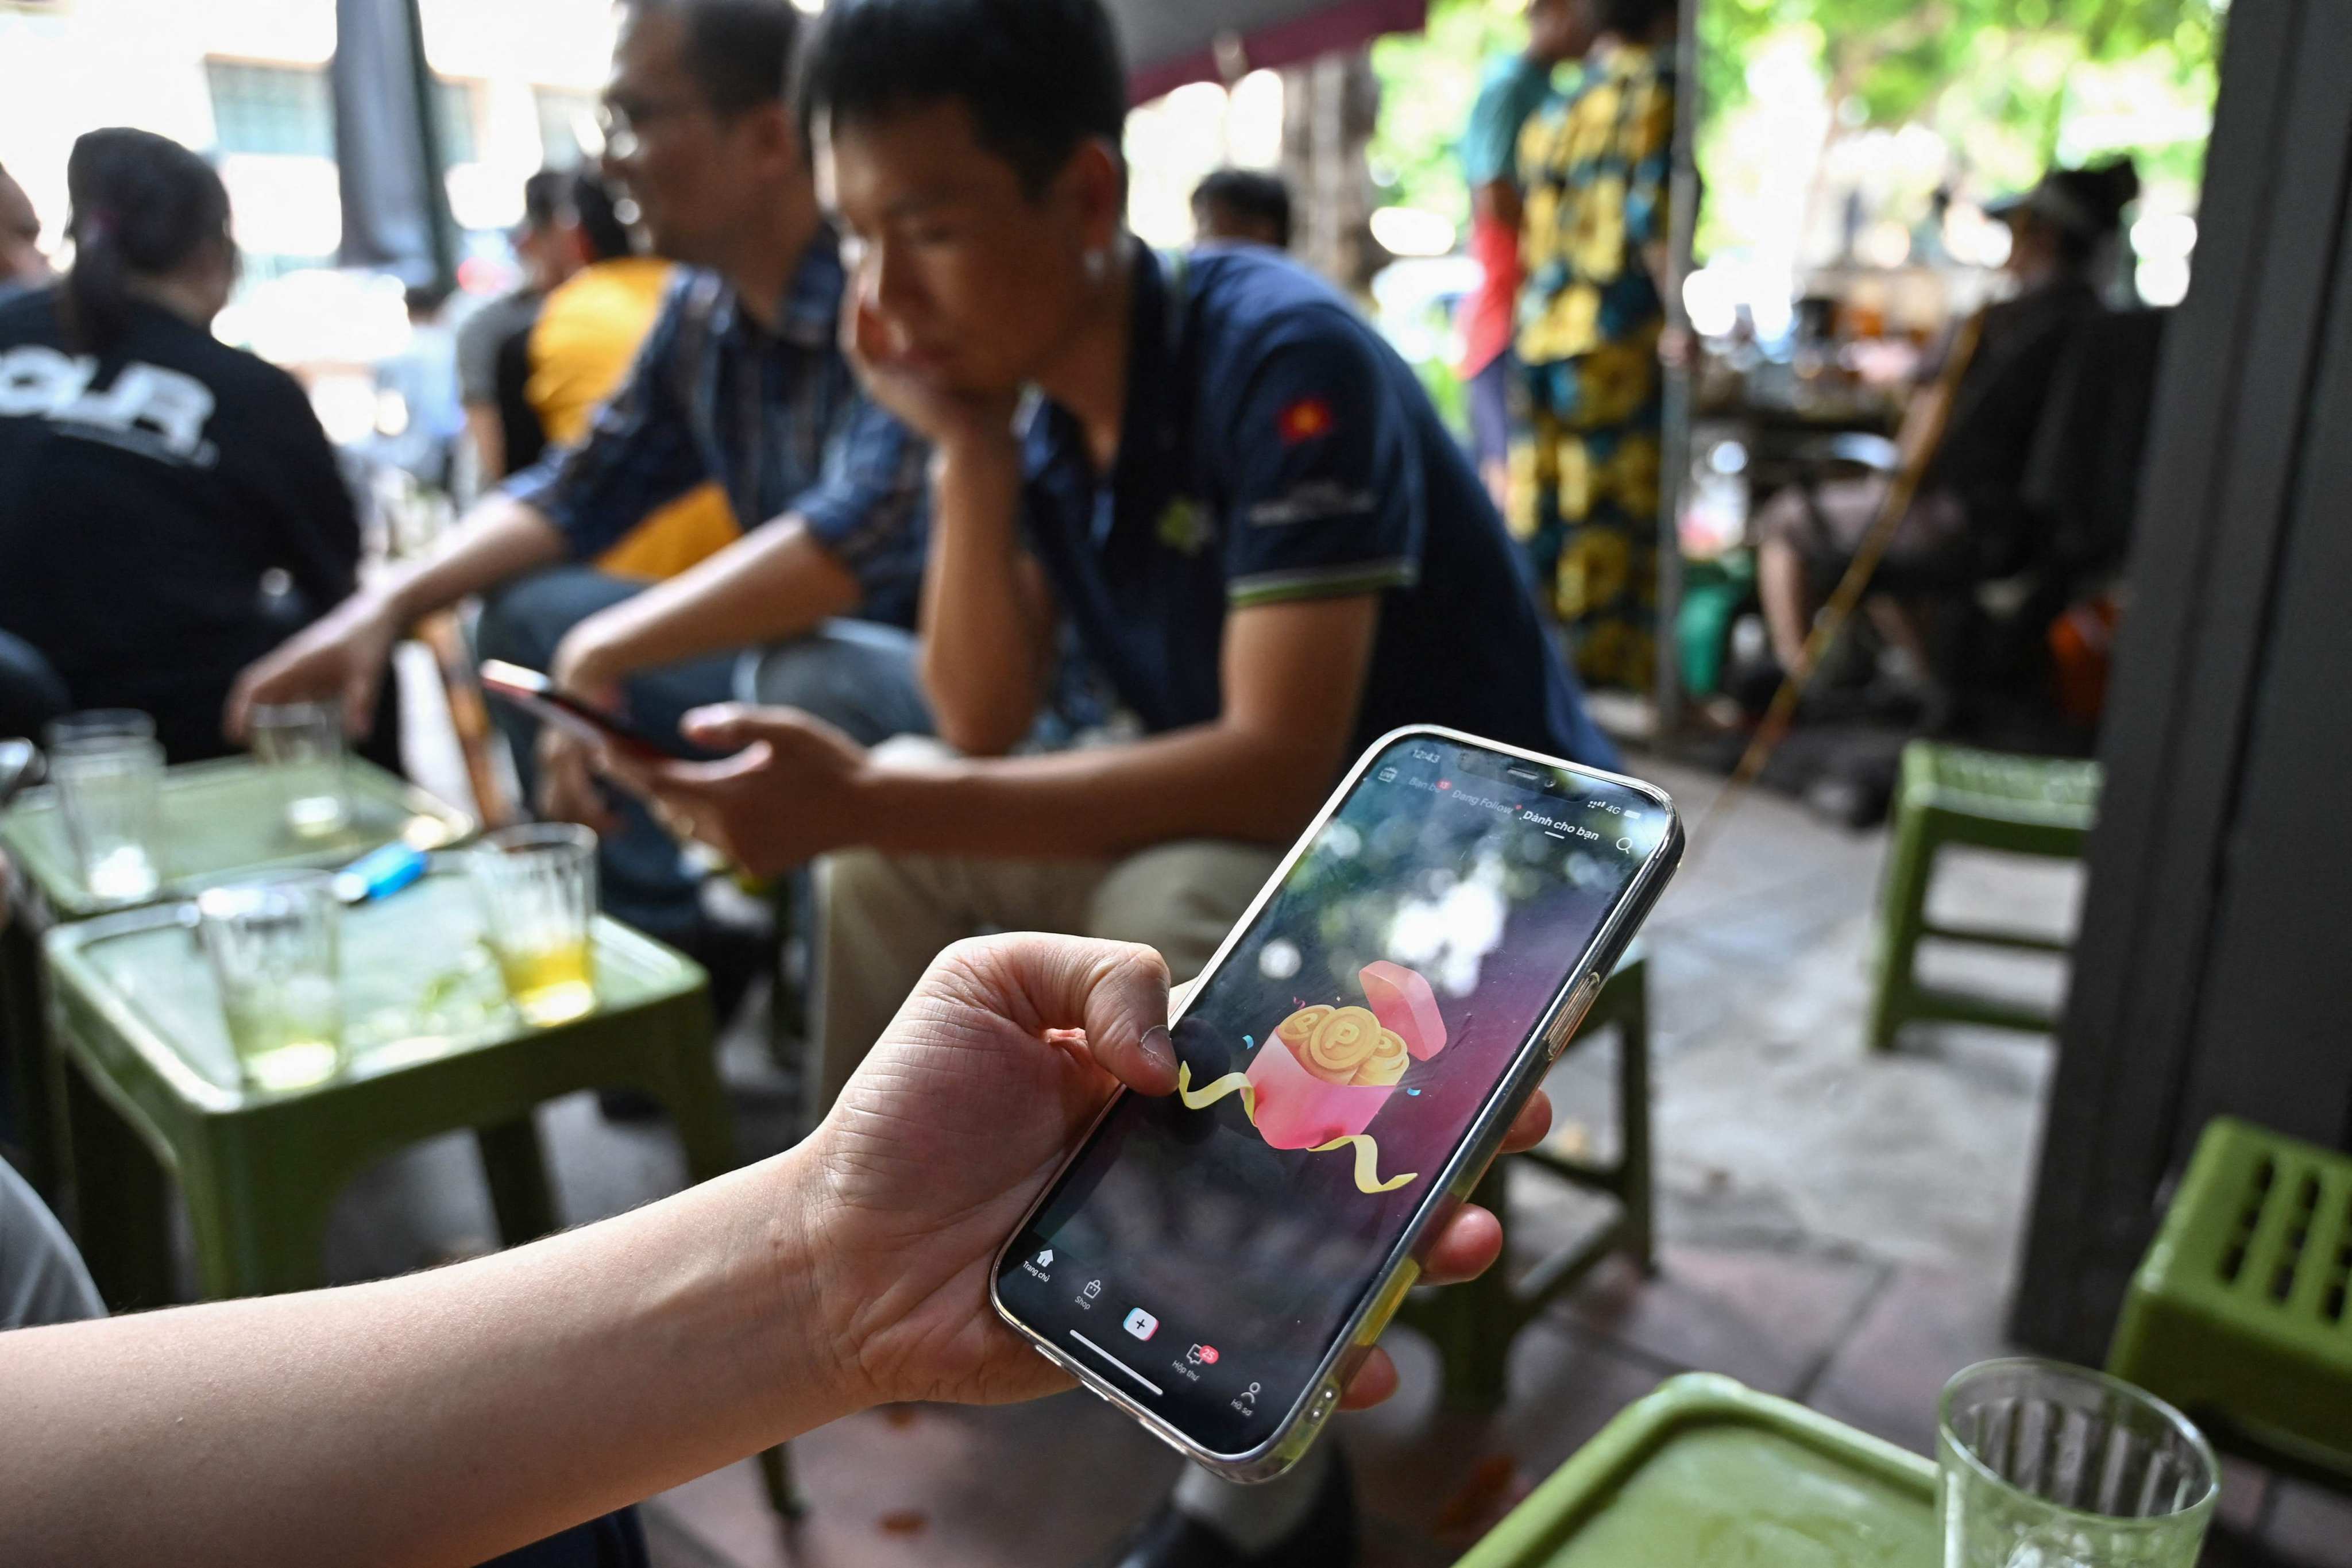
(791, 787)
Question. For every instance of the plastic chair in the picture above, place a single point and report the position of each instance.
(2239, 1315)
(1475, 1325)
(1990, 800)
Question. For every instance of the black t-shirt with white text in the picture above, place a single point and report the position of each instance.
(147, 498)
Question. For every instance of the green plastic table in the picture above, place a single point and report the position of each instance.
(152, 1089)
(1707, 1471)
(221, 820)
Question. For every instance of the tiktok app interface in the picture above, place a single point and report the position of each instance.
(1208, 1245)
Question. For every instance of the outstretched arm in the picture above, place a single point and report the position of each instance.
(448, 1416)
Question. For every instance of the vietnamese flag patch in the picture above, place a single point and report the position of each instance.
(1304, 420)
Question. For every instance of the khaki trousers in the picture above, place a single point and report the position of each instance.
(881, 919)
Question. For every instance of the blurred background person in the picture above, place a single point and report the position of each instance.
(576, 354)
(740, 382)
(1516, 88)
(1971, 521)
(1594, 238)
(422, 419)
(21, 265)
(173, 509)
(503, 429)
(1249, 205)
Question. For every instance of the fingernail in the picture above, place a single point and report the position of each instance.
(1160, 1047)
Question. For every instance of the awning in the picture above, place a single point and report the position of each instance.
(1168, 45)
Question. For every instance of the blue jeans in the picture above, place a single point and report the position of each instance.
(856, 674)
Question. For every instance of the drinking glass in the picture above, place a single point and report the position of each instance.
(100, 724)
(301, 743)
(110, 787)
(538, 888)
(273, 945)
(2044, 1465)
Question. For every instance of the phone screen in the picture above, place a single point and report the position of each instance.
(1206, 1248)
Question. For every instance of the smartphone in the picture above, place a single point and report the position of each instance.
(539, 697)
(1217, 1262)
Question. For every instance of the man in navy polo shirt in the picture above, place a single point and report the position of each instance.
(1224, 486)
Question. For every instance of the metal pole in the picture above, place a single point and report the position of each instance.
(1674, 433)
(440, 226)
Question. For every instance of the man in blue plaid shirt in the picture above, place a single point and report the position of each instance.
(742, 381)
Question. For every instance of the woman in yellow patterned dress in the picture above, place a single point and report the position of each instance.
(1584, 487)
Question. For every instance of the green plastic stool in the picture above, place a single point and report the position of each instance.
(1990, 800)
(1475, 1325)
(2238, 1312)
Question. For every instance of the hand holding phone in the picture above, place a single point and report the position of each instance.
(1006, 1051)
(535, 694)
(1219, 1262)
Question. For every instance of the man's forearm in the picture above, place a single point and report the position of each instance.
(1210, 782)
(498, 539)
(443, 1417)
(775, 583)
(986, 636)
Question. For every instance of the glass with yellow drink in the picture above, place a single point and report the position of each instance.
(272, 944)
(538, 888)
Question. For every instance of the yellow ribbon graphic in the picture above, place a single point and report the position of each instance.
(1368, 1163)
(1216, 1090)
(1368, 1152)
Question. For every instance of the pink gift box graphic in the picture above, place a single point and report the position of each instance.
(1297, 1109)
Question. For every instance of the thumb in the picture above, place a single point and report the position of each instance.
(721, 726)
(1114, 991)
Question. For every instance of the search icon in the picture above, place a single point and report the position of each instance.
(1623, 843)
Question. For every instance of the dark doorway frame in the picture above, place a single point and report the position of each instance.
(2213, 971)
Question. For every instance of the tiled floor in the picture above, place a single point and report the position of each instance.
(1837, 1228)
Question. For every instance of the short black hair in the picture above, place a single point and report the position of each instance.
(144, 205)
(739, 52)
(592, 208)
(542, 198)
(1634, 18)
(1040, 76)
(1250, 193)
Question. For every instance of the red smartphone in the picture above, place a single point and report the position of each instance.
(538, 696)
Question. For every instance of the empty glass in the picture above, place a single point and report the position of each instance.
(537, 887)
(109, 788)
(273, 946)
(303, 744)
(2045, 1465)
(100, 724)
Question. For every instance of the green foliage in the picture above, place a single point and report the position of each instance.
(1897, 59)
(2011, 85)
(1428, 82)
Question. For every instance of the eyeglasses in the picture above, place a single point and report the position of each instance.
(623, 124)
